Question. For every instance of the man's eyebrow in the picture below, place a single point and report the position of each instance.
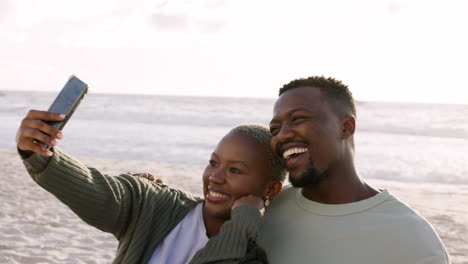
(297, 110)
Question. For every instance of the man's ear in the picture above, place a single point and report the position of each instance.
(274, 189)
(349, 126)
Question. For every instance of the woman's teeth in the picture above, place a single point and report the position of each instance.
(217, 195)
(288, 153)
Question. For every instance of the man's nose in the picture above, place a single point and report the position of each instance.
(285, 132)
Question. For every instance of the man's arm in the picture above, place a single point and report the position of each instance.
(435, 260)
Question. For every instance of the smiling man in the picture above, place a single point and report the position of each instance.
(331, 215)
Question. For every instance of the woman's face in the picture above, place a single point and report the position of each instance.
(238, 166)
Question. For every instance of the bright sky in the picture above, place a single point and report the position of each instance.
(385, 50)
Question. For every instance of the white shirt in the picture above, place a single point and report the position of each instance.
(181, 244)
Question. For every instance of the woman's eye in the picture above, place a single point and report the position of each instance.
(234, 170)
(212, 163)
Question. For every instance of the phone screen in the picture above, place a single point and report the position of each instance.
(66, 102)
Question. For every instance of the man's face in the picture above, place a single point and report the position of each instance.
(307, 134)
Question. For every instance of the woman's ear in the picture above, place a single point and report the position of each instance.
(274, 189)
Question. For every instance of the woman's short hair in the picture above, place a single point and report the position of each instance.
(261, 134)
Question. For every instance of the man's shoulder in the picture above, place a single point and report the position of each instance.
(399, 213)
(287, 191)
(287, 195)
(412, 228)
(395, 209)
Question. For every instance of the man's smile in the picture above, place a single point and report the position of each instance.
(293, 151)
(293, 156)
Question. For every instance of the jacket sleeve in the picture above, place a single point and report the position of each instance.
(236, 241)
(108, 203)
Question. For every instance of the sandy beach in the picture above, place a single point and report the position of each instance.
(36, 228)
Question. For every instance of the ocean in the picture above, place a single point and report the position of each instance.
(404, 142)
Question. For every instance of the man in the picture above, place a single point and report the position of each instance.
(332, 216)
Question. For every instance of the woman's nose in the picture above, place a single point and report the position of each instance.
(218, 177)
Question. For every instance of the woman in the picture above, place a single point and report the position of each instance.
(157, 224)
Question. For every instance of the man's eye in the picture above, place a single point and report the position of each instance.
(273, 130)
(212, 163)
(234, 170)
(297, 118)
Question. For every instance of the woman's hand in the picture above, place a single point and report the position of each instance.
(251, 200)
(33, 128)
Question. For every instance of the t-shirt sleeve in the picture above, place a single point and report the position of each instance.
(236, 241)
(435, 260)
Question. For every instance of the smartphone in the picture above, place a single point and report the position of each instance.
(66, 102)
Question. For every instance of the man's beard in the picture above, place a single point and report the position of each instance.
(311, 176)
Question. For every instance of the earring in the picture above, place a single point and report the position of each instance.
(267, 201)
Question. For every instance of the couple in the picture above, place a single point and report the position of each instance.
(330, 215)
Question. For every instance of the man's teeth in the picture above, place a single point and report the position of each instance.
(287, 154)
(217, 195)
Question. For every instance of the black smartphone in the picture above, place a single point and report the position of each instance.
(66, 102)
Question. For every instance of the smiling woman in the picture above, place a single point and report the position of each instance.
(157, 224)
(242, 164)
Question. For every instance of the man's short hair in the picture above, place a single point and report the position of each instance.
(261, 134)
(331, 88)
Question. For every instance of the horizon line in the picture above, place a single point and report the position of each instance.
(358, 101)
